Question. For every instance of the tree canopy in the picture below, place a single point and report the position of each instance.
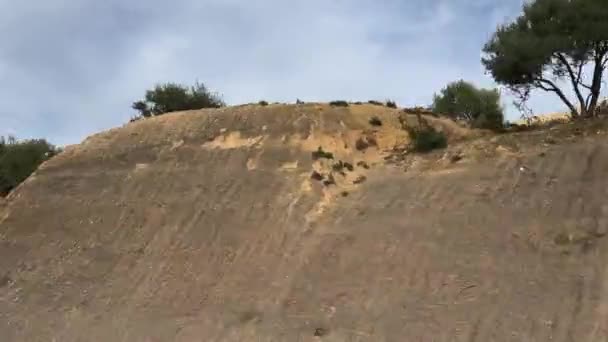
(18, 159)
(553, 42)
(462, 100)
(172, 97)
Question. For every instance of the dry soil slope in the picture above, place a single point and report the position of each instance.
(206, 226)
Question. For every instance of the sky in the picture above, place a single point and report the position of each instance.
(72, 68)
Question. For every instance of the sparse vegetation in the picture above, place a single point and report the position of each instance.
(375, 121)
(330, 180)
(338, 167)
(320, 154)
(172, 97)
(363, 164)
(341, 165)
(463, 101)
(427, 139)
(339, 103)
(375, 103)
(316, 176)
(391, 104)
(365, 142)
(424, 137)
(419, 110)
(19, 159)
(553, 44)
(360, 179)
(348, 166)
(263, 103)
(135, 118)
(361, 144)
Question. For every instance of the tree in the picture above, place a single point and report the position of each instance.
(463, 101)
(172, 97)
(19, 159)
(551, 42)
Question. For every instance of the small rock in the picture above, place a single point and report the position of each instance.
(320, 332)
(456, 158)
(502, 149)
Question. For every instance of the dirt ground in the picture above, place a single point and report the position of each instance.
(219, 225)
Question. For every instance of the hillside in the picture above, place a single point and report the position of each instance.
(216, 225)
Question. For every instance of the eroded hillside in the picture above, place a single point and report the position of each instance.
(232, 225)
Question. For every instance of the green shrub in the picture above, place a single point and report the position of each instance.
(339, 103)
(172, 97)
(375, 103)
(19, 159)
(463, 101)
(263, 103)
(426, 139)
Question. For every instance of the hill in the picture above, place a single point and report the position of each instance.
(232, 225)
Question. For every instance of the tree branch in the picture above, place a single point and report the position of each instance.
(588, 99)
(548, 85)
(588, 87)
(580, 72)
(574, 79)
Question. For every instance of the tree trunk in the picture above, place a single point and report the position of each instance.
(596, 85)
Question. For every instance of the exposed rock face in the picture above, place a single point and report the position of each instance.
(208, 226)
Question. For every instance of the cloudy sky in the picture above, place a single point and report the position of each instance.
(70, 68)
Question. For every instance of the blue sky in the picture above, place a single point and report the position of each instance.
(71, 68)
